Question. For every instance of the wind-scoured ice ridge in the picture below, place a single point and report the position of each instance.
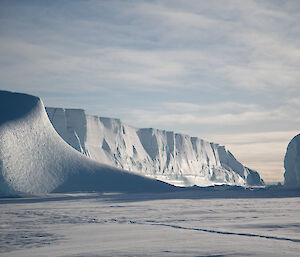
(171, 157)
(292, 163)
(34, 159)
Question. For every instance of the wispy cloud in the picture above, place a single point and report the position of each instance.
(221, 113)
(179, 107)
(157, 44)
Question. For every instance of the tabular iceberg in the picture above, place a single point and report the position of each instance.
(292, 163)
(175, 158)
(34, 159)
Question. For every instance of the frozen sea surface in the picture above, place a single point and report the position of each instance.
(173, 224)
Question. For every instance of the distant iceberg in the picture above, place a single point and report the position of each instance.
(292, 163)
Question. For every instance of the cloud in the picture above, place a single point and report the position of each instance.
(257, 137)
(255, 55)
(215, 107)
(220, 113)
(151, 46)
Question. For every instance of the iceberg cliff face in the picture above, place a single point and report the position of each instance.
(34, 159)
(292, 163)
(174, 158)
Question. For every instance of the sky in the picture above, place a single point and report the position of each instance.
(225, 71)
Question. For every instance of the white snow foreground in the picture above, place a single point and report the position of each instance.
(292, 163)
(177, 159)
(34, 159)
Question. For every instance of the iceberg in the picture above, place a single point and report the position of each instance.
(34, 159)
(292, 163)
(174, 158)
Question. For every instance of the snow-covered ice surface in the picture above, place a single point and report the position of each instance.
(175, 158)
(169, 224)
(292, 163)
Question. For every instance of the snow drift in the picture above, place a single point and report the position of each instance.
(35, 159)
(174, 158)
(292, 163)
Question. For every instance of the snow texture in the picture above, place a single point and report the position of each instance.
(34, 159)
(292, 163)
(178, 224)
(171, 157)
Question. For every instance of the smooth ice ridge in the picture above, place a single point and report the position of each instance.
(34, 159)
(292, 163)
(171, 157)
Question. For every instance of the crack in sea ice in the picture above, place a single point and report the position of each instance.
(228, 233)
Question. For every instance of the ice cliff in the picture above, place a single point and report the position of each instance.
(34, 159)
(292, 163)
(174, 158)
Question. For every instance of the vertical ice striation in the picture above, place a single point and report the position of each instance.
(171, 157)
(70, 124)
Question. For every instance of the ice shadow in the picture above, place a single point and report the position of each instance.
(15, 105)
(215, 192)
